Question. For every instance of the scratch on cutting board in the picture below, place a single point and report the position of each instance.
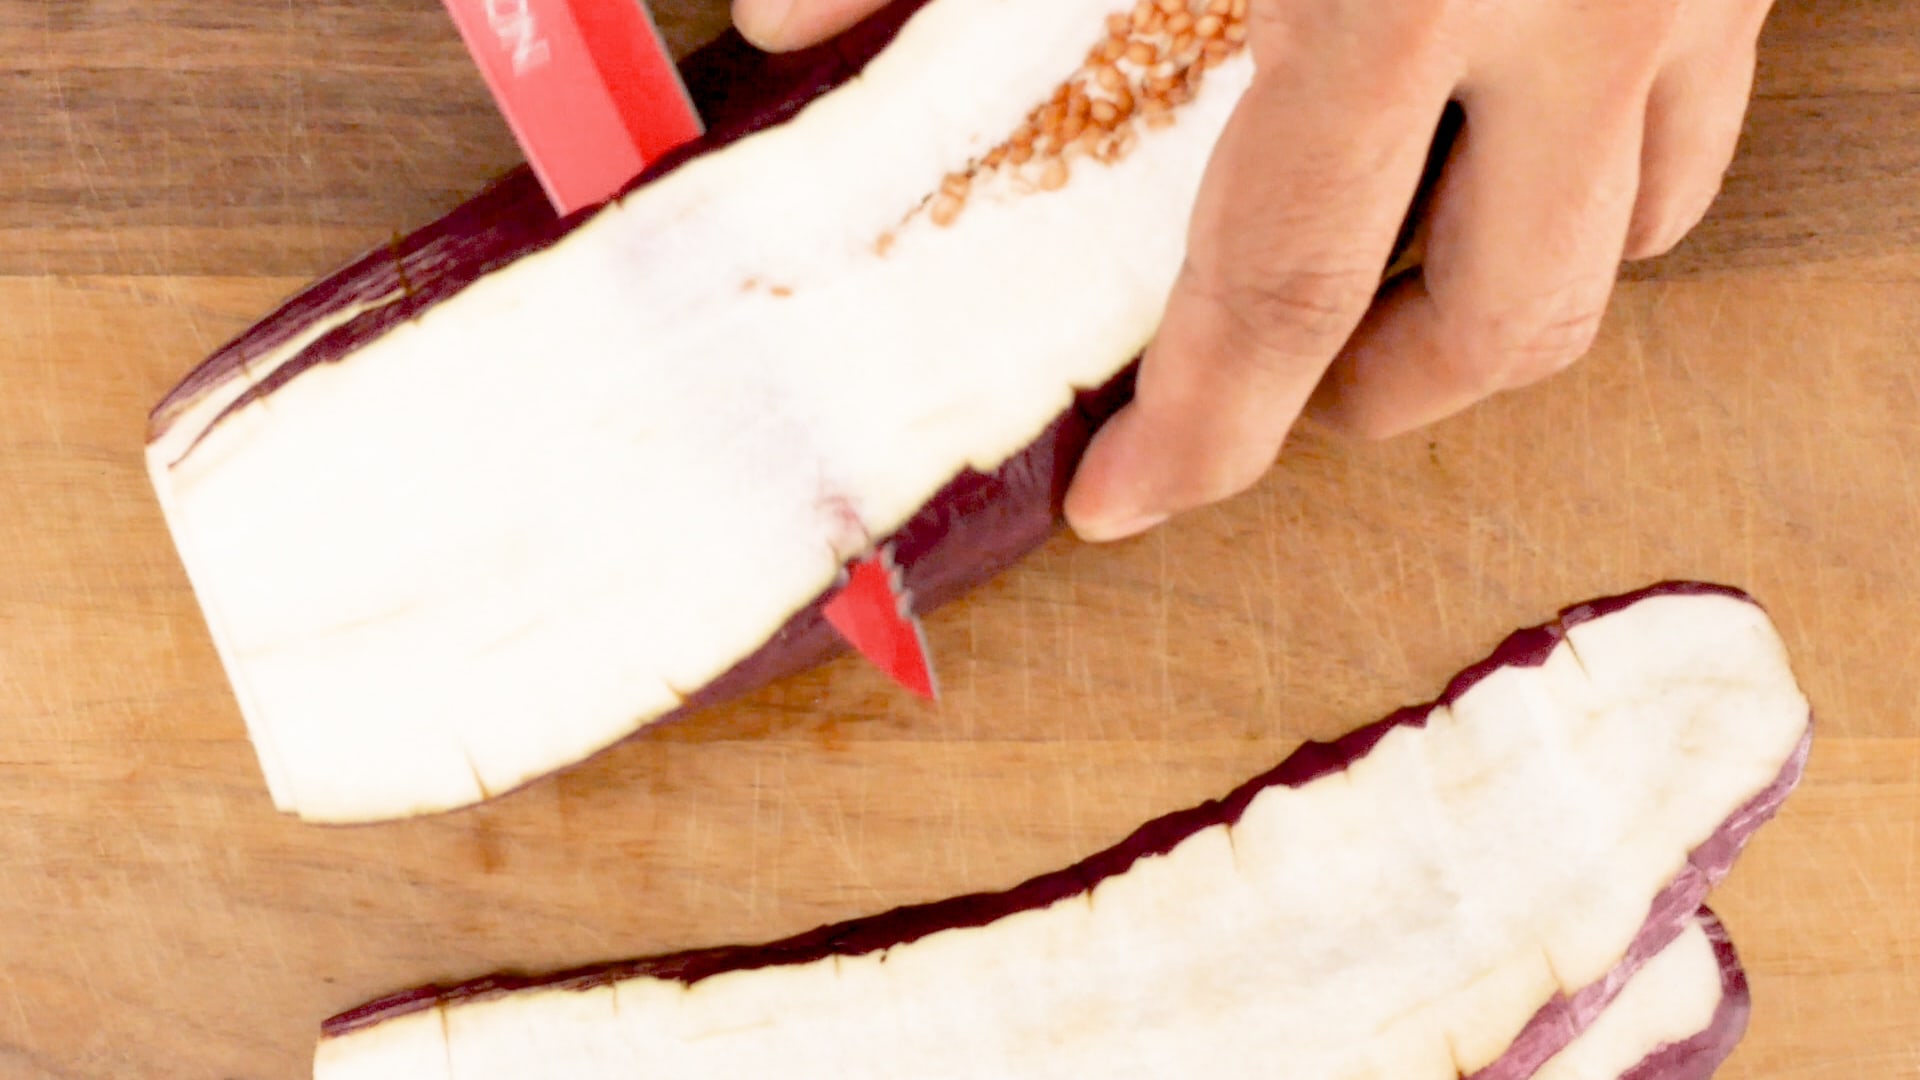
(973, 652)
(837, 838)
(1163, 636)
(848, 850)
(167, 226)
(1403, 574)
(1683, 358)
(289, 111)
(1070, 791)
(754, 832)
(1909, 881)
(1864, 938)
(1906, 460)
(1260, 656)
(1270, 530)
(1086, 693)
(1026, 645)
(49, 408)
(202, 341)
(17, 1007)
(75, 145)
(86, 156)
(956, 809)
(1643, 383)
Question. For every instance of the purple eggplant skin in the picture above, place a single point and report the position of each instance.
(1551, 1029)
(1701, 1055)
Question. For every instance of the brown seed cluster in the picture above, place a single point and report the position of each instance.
(1149, 63)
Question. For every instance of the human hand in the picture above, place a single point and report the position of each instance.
(1596, 131)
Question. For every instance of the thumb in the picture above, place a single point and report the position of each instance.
(785, 25)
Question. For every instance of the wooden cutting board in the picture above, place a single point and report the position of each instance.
(172, 168)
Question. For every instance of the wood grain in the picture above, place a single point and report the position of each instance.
(171, 169)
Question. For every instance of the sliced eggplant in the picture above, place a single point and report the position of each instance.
(1456, 890)
(1676, 1018)
(484, 503)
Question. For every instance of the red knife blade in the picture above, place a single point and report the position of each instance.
(587, 86)
(873, 611)
(593, 96)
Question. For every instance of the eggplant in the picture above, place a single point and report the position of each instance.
(513, 487)
(498, 495)
(1679, 1017)
(1458, 889)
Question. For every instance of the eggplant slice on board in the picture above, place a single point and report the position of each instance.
(1458, 889)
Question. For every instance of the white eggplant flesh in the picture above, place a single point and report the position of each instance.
(1453, 891)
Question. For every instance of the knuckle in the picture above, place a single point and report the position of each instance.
(1514, 348)
(1297, 317)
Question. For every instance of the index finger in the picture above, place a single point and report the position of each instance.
(1294, 222)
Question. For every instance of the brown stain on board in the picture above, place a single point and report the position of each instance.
(488, 851)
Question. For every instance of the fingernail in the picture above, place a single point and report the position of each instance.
(762, 22)
(1107, 530)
